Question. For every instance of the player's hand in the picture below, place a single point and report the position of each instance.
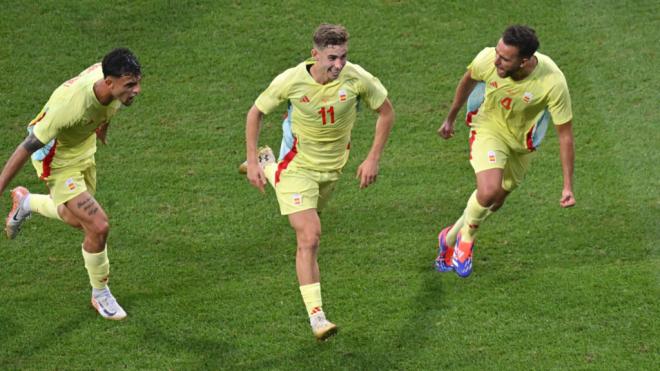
(367, 173)
(447, 129)
(256, 176)
(102, 133)
(567, 198)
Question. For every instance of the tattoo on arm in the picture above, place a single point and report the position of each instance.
(31, 143)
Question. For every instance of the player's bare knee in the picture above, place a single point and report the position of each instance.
(309, 239)
(487, 196)
(100, 227)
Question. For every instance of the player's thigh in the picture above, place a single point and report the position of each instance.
(88, 211)
(296, 191)
(516, 169)
(306, 223)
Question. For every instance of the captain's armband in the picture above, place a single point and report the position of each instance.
(32, 144)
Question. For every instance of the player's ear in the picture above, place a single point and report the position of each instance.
(108, 80)
(315, 54)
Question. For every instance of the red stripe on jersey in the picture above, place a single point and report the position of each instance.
(286, 160)
(47, 161)
(530, 142)
(473, 134)
(468, 118)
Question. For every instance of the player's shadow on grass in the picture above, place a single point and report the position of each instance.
(207, 351)
(48, 336)
(204, 352)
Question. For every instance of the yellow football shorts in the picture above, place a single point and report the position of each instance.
(490, 151)
(68, 182)
(302, 189)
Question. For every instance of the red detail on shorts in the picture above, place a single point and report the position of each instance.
(473, 134)
(47, 160)
(348, 146)
(286, 160)
(468, 118)
(473, 226)
(530, 142)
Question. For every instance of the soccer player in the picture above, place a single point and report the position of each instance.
(62, 143)
(322, 94)
(519, 88)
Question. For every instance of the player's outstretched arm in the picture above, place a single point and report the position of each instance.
(368, 170)
(252, 126)
(18, 159)
(461, 95)
(567, 157)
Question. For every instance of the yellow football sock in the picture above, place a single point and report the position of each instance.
(453, 232)
(474, 215)
(98, 268)
(311, 295)
(44, 205)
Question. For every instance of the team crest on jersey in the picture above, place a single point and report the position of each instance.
(70, 184)
(304, 99)
(527, 97)
(494, 84)
(491, 157)
(342, 95)
(297, 199)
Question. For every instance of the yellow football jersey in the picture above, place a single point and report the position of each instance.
(514, 108)
(322, 116)
(70, 118)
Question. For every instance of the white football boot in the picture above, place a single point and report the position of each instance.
(321, 327)
(106, 304)
(18, 213)
(265, 157)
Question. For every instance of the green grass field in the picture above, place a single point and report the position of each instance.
(204, 264)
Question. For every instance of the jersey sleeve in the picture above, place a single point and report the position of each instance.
(371, 90)
(559, 102)
(276, 93)
(481, 64)
(53, 121)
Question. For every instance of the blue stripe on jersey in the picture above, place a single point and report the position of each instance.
(476, 97)
(540, 128)
(287, 135)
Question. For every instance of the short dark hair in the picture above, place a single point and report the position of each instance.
(330, 34)
(120, 62)
(522, 37)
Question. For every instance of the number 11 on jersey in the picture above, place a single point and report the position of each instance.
(331, 111)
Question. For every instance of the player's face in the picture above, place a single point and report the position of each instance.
(331, 59)
(125, 88)
(507, 61)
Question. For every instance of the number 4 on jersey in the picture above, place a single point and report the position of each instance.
(506, 103)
